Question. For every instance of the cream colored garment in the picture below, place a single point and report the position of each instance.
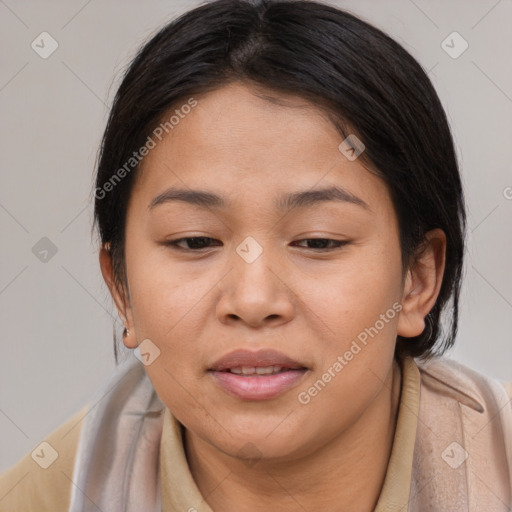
(422, 475)
(463, 452)
(26, 487)
(117, 463)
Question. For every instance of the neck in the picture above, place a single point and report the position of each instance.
(345, 474)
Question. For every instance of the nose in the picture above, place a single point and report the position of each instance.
(255, 292)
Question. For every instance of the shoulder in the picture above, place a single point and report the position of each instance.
(42, 480)
(463, 415)
(448, 378)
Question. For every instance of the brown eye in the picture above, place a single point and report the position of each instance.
(192, 243)
(324, 244)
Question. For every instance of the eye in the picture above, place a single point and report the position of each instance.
(322, 244)
(194, 243)
(197, 243)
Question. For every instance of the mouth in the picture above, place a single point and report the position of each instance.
(260, 370)
(260, 375)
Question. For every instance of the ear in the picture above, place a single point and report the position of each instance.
(120, 296)
(422, 284)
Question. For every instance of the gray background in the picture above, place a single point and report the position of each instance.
(56, 316)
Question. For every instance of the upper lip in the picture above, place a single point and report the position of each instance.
(260, 358)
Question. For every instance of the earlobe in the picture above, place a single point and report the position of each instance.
(422, 284)
(118, 296)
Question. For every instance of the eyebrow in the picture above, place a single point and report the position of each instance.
(286, 202)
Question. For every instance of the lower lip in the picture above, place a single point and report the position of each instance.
(258, 387)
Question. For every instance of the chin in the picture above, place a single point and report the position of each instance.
(266, 441)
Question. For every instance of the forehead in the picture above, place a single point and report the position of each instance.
(243, 141)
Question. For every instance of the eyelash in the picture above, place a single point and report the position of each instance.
(174, 243)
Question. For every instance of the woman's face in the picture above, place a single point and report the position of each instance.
(297, 253)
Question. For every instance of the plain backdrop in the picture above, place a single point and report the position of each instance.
(56, 317)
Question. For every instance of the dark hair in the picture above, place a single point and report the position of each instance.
(369, 84)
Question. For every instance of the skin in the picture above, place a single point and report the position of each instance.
(307, 303)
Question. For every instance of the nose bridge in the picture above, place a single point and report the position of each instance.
(255, 291)
(250, 250)
(252, 263)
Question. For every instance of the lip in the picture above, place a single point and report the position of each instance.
(257, 387)
(264, 357)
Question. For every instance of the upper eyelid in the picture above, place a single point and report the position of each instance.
(176, 241)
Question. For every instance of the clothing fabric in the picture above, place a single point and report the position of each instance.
(452, 450)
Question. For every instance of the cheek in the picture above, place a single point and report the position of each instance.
(360, 305)
(168, 308)
(351, 294)
(163, 295)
